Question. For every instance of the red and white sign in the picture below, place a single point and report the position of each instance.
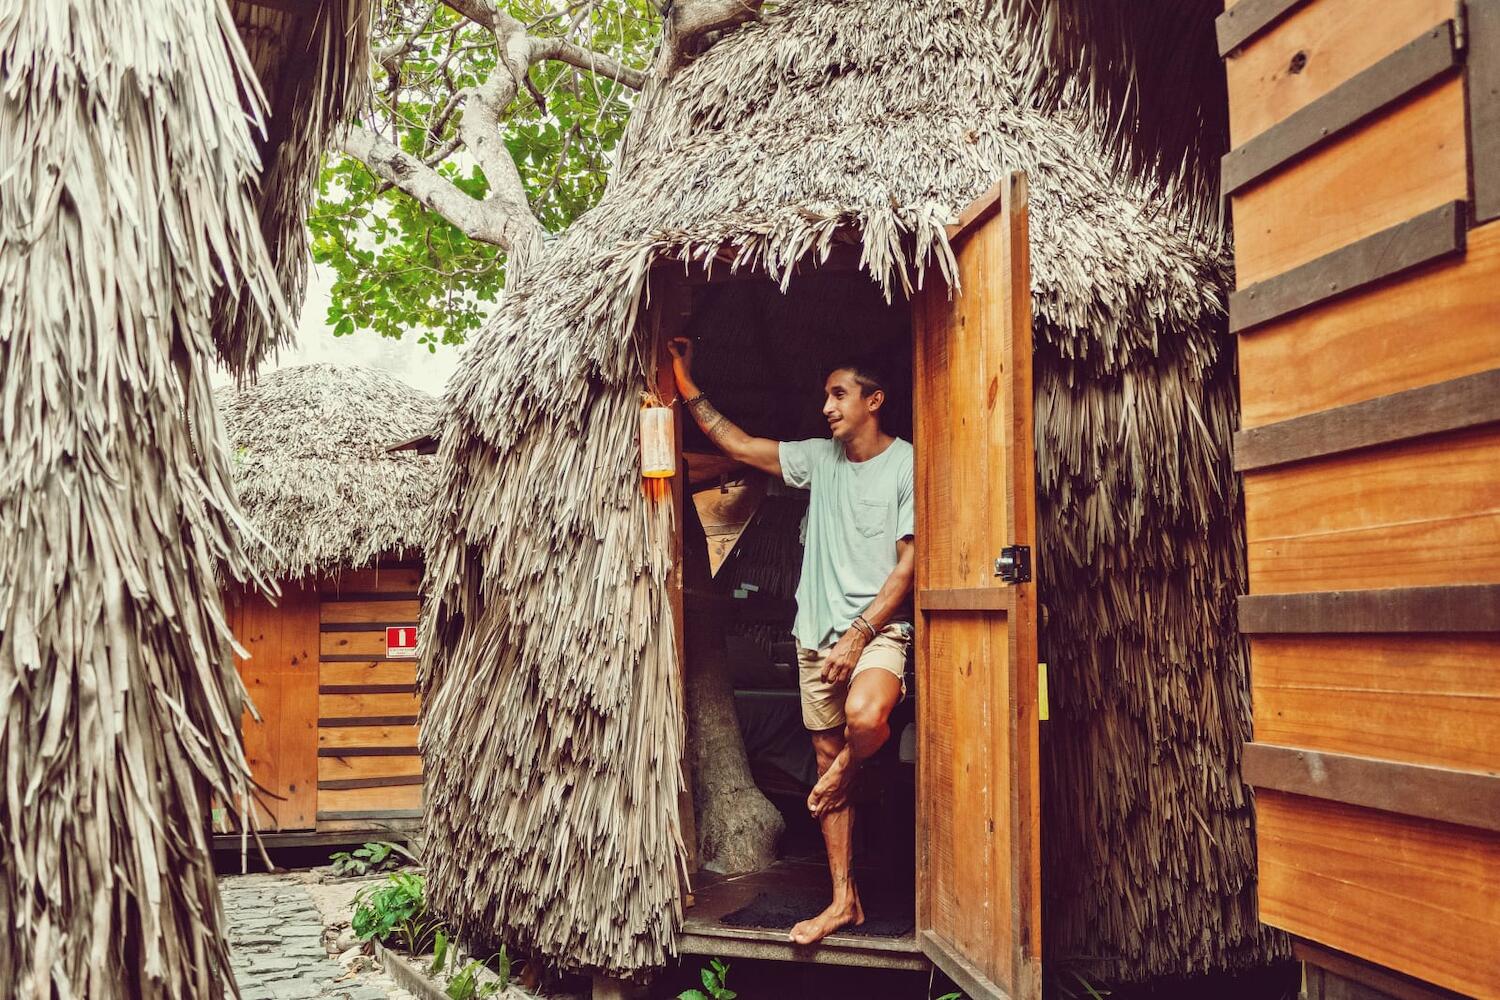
(401, 642)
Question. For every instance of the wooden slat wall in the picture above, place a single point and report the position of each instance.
(367, 764)
(1363, 739)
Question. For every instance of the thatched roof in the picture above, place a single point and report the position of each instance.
(551, 696)
(129, 205)
(312, 469)
(1150, 76)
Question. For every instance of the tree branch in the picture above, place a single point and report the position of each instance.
(690, 22)
(495, 220)
(561, 49)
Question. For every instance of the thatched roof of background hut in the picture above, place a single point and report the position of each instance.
(311, 465)
(131, 214)
(550, 692)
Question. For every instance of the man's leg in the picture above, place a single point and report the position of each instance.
(873, 694)
(837, 826)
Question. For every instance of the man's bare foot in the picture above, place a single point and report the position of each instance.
(837, 916)
(832, 790)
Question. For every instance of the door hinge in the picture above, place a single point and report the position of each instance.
(1014, 564)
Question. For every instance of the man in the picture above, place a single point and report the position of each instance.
(853, 622)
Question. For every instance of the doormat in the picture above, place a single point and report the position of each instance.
(887, 914)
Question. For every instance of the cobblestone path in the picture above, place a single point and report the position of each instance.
(276, 943)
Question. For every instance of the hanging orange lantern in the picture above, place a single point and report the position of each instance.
(658, 450)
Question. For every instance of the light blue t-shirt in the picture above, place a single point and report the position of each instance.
(858, 511)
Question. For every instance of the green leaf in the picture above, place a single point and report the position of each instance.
(691, 995)
(710, 981)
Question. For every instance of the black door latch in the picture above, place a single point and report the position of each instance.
(1014, 564)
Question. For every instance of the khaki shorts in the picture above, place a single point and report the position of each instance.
(822, 702)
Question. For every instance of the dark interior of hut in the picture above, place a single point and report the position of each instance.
(762, 355)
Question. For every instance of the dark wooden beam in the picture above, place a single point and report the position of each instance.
(367, 689)
(331, 597)
(1248, 18)
(364, 626)
(1460, 608)
(367, 720)
(369, 752)
(346, 814)
(966, 599)
(391, 781)
(1483, 27)
(1431, 236)
(1457, 404)
(1410, 68)
(1466, 798)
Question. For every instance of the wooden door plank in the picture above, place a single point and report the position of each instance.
(978, 913)
(1381, 173)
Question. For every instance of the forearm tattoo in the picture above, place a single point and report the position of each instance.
(714, 423)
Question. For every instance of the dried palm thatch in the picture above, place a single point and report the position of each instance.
(311, 469)
(550, 695)
(1151, 77)
(128, 202)
(312, 61)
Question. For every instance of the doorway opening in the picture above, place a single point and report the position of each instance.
(762, 355)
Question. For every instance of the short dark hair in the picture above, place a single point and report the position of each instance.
(866, 375)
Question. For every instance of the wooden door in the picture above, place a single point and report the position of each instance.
(978, 862)
(281, 678)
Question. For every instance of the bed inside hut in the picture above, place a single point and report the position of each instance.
(763, 355)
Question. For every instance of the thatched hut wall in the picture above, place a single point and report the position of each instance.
(130, 205)
(555, 805)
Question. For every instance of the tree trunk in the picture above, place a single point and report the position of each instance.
(738, 827)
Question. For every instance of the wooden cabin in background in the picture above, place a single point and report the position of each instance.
(1364, 179)
(330, 667)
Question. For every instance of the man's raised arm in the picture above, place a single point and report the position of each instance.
(758, 453)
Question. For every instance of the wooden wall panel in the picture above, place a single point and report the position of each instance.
(1434, 324)
(369, 644)
(1418, 699)
(389, 798)
(358, 706)
(356, 607)
(338, 737)
(1379, 174)
(401, 578)
(1421, 513)
(1312, 51)
(369, 672)
(391, 612)
(367, 766)
(1404, 893)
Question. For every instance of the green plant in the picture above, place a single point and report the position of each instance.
(439, 953)
(465, 985)
(715, 984)
(375, 856)
(395, 910)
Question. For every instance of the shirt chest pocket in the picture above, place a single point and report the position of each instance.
(870, 517)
